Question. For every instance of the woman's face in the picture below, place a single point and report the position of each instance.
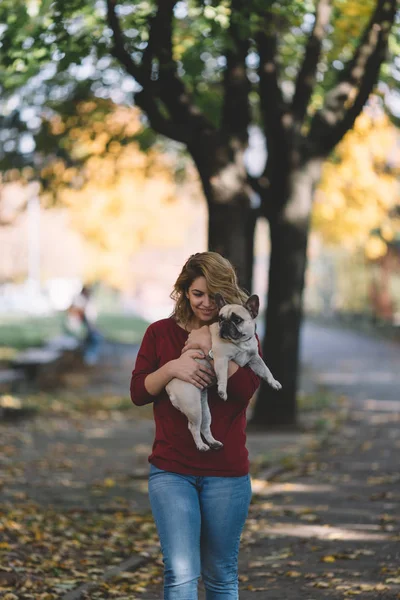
(202, 304)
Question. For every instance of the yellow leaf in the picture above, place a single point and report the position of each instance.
(109, 482)
(321, 584)
(328, 559)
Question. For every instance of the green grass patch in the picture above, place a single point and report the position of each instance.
(25, 332)
(320, 400)
(118, 327)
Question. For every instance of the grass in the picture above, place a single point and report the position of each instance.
(122, 328)
(321, 399)
(24, 332)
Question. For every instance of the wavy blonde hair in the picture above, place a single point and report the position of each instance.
(219, 275)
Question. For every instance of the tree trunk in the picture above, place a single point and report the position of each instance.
(289, 235)
(250, 240)
(231, 218)
(231, 233)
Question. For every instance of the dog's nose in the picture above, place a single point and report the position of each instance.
(224, 329)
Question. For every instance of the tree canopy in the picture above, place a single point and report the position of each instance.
(55, 51)
(203, 72)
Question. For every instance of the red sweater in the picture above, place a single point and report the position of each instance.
(173, 448)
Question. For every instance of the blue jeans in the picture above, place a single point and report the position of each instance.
(91, 346)
(199, 522)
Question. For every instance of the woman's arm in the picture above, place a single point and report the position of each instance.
(199, 339)
(149, 379)
(185, 368)
(146, 363)
(155, 382)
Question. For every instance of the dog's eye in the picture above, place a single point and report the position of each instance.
(237, 319)
(220, 318)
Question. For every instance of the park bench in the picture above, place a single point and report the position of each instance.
(36, 369)
(42, 366)
(64, 343)
(10, 380)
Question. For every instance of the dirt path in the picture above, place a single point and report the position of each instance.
(327, 529)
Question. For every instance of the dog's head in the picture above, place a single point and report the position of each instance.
(236, 321)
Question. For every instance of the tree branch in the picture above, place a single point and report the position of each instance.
(159, 47)
(258, 184)
(119, 51)
(272, 104)
(306, 76)
(345, 101)
(148, 103)
(172, 90)
(236, 110)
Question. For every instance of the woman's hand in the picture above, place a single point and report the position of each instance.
(199, 339)
(188, 369)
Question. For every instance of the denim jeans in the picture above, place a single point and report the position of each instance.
(91, 346)
(199, 522)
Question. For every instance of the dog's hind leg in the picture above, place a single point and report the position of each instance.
(194, 415)
(187, 398)
(194, 428)
(206, 423)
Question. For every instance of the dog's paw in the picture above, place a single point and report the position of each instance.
(222, 393)
(216, 445)
(275, 384)
(203, 447)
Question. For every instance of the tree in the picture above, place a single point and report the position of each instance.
(207, 70)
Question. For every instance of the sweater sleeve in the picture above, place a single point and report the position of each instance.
(243, 383)
(146, 363)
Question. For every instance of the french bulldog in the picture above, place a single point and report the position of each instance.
(232, 338)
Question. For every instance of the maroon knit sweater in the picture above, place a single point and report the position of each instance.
(173, 448)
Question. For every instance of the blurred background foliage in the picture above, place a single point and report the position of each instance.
(68, 120)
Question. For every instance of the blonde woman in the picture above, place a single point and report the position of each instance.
(199, 500)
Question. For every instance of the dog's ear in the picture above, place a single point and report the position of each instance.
(253, 305)
(219, 300)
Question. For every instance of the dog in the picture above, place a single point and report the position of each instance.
(232, 338)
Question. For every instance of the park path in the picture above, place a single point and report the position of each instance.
(329, 528)
(361, 366)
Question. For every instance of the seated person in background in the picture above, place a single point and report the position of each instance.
(80, 322)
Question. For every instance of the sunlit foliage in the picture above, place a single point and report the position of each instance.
(121, 199)
(360, 186)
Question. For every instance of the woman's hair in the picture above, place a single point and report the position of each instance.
(219, 275)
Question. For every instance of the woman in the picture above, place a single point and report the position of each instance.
(199, 500)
